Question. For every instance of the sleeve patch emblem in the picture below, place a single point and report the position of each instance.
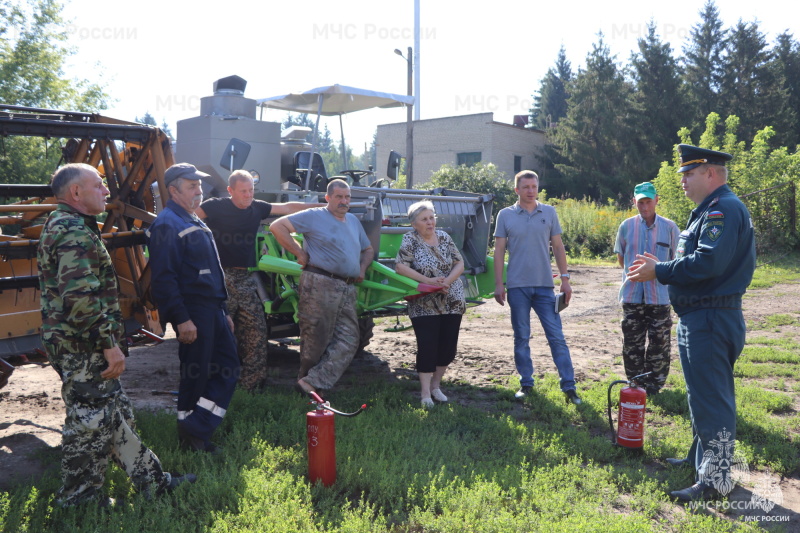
(715, 215)
(714, 229)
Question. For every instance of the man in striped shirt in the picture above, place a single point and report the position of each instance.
(647, 321)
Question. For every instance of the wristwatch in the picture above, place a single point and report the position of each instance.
(565, 275)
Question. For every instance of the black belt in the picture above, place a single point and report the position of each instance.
(323, 272)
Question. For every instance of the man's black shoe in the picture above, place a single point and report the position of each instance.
(6, 369)
(573, 397)
(176, 481)
(213, 449)
(697, 492)
(672, 461)
(523, 392)
(188, 441)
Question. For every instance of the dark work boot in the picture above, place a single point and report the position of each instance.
(697, 492)
(6, 369)
(672, 461)
(177, 481)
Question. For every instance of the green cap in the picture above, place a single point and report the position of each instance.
(644, 190)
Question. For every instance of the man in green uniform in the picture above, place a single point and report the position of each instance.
(713, 266)
(81, 330)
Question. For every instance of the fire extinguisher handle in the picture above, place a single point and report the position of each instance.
(316, 397)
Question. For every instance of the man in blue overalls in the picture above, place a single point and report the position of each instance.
(189, 287)
(714, 264)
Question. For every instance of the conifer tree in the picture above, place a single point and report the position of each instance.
(748, 87)
(550, 103)
(599, 139)
(785, 65)
(660, 94)
(703, 63)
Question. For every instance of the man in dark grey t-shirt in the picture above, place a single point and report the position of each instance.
(528, 229)
(335, 256)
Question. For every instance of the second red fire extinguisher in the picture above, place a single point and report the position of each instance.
(632, 403)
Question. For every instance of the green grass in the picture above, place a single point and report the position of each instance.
(493, 465)
(782, 270)
(542, 465)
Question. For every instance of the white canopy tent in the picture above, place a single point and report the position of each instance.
(334, 100)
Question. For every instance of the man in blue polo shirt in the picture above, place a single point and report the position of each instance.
(528, 229)
(647, 315)
(713, 266)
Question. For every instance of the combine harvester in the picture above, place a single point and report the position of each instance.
(132, 157)
(225, 137)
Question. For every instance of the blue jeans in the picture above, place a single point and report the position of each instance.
(542, 300)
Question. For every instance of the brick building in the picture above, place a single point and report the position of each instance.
(465, 139)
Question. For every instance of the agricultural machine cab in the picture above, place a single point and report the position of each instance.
(354, 177)
(393, 167)
(319, 177)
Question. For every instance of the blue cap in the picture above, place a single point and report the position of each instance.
(185, 171)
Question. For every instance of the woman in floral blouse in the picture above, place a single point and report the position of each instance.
(430, 256)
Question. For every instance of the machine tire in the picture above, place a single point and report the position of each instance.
(365, 327)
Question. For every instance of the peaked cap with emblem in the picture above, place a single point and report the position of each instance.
(693, 156)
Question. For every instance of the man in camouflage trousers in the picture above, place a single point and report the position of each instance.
(234, 222)
(645, 306)
(335, 255)
(81, 329)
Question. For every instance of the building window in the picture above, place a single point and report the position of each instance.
(517, 164)
(468, 158)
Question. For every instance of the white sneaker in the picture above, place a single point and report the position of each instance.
(438, 395)
(427, 403)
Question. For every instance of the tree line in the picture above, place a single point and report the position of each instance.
(609, 126)
(33, 52)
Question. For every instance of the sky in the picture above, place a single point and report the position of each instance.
(162, 56)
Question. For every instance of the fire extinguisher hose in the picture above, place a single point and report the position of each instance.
(610, 422)
(322, 404)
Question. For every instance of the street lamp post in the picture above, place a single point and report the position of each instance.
(409, 121)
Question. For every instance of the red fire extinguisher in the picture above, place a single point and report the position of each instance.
(321, 435)
(632, 403)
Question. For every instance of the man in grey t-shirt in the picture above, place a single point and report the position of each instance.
(528, 229)
(335, 256)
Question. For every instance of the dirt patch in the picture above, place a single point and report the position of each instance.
(31, 410)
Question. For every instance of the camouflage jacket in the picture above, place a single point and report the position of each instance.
(80, 296)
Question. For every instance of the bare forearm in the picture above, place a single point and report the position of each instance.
(499, 260)
(458, 269)
(283, 234)
(288, 208)
(407, 271)
(366, 259)
(560, 254)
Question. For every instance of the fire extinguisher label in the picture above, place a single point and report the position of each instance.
(632, 406)
(631, 420)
